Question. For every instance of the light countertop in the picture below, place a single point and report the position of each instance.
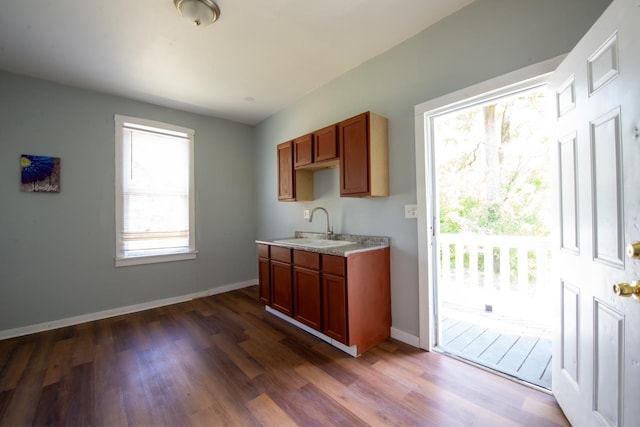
(361, 243)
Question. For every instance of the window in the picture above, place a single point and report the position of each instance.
(154, 192)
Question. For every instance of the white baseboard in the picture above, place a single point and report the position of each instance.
(405, 337)
(353, 351)
(350, 350)
(75, 320)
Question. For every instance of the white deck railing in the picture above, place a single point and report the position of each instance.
(516, 263)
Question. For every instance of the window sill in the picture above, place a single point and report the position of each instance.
(153, 259)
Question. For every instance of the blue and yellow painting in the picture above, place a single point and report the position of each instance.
(40, 174)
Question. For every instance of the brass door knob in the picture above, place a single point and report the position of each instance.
(627, 290)
(633, 250)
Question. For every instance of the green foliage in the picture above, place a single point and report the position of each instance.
(522, 169)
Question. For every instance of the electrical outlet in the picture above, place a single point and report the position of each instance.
(305, 213)
(411, 211)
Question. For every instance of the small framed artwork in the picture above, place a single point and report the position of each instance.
(39, 174)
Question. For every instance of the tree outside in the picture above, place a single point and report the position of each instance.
(493, 166)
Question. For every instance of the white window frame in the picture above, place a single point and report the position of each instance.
(121, 259)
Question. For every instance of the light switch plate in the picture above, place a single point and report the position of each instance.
(411, 211)
(305, 213)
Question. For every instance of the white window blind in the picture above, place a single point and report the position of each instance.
(155, 191)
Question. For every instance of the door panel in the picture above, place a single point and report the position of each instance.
(570, 337)
(596, 353)
(569, 220)
(602, 66)
(606, 148)
(608, 363)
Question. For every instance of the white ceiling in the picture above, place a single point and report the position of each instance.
(258, 58)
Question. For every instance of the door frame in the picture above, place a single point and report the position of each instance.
(529, 76)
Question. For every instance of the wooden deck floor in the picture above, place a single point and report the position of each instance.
(524, 357)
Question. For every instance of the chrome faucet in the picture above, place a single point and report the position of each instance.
(329, 229)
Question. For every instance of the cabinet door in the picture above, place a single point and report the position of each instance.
(302, 151)
(286, 183)
(334, 303)
(353, 137)
(281, 289)
(307, 297)
(264, 290)
(325, 144)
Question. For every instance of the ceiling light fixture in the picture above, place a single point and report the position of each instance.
(200, 12)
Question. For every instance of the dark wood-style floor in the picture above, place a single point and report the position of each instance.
(223, 360)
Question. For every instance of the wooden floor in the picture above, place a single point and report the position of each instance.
(524, 357)
(223, 360)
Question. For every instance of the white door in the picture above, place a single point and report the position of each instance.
(596, 354)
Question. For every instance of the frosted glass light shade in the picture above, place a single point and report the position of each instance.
(200, 12)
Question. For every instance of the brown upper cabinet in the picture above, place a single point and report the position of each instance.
(303, 151)
(293, 185)
(364, 164)
(325, 145)
(317, 150)
(357, 145)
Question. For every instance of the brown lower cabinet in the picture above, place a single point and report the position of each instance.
(306, 289)
(281, 284)
(348, 299)
(264, 291)
(334, 296)
(263, 272)
(306, 294)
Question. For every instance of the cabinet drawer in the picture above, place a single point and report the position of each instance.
(333, 264)
(263, 251)
(281, 254)
(306, 259)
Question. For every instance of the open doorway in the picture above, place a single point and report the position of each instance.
(491, 165)
(486, 197)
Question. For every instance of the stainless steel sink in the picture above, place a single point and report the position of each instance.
(314, 243)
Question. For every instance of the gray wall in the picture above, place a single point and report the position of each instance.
(57, 250)
(484, 40)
